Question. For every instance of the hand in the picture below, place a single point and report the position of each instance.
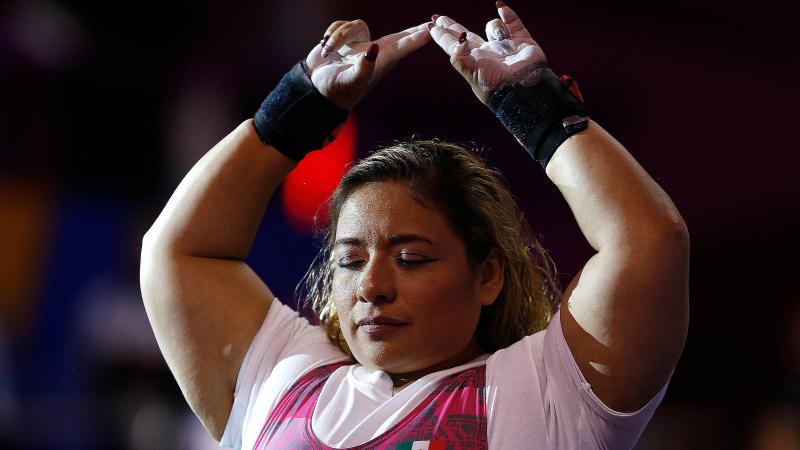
(508, 54)
(346, 64)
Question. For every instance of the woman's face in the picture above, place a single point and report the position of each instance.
(406, 296)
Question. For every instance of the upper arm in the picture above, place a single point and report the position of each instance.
(204, 313)
(625, 316)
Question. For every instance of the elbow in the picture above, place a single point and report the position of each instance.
(664, 246)
(154, 249)
(673, 233)
(146, 273)
(149, 240)
(676, 235)
(152, 263)
(670, 234)
(669, 245)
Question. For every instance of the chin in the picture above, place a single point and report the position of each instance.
(385, 358)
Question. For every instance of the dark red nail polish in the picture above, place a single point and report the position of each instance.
(324, 39)
(434, 17)
(372, 53)
(499, 4)
(462, 37)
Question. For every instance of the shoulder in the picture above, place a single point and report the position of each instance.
(538, 394)
(285, 348)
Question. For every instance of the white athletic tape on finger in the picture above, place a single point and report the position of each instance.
(496, 30)
(508, 17)
(344, 50)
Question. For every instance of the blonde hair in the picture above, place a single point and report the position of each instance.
(476, 201)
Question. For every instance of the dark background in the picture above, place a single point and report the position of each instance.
(104, 106)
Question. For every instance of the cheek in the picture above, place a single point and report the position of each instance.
(342, 294)
(445, 296)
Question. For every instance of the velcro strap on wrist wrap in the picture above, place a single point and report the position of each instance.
(535, 114)
(296, 118)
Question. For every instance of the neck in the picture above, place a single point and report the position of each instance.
(472, 351)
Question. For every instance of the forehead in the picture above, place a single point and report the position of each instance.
(379, 210)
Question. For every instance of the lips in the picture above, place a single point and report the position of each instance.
(380, 320)
(380, 328)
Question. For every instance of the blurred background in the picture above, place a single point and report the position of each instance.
(104, 106)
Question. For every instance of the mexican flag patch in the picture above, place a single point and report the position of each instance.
(420, 445)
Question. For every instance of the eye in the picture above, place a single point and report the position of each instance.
(412, 260)
(349, 262)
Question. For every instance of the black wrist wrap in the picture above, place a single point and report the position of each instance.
(296, 118)
(535, 114)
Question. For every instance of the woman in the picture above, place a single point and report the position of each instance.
(430, 298)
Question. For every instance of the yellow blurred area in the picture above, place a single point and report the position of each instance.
(26, 213)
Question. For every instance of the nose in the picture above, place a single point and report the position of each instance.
(377, 284)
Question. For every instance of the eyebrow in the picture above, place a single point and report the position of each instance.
(394, 239)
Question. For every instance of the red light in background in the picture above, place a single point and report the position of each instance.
(307, 187)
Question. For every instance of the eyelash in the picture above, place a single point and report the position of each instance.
(401, 261)
(350, 265)
(412, 262)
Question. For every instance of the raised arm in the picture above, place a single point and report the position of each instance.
(625, 315)
(204, 303)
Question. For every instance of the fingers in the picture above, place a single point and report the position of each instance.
(461, 59)
(400, 44)
(444, 38)
(333, 28)
(446, 33)
(360, 73)
(342, 33)
(357, 78)
(511, 20)
(457, 45)
(324, 42)
(496, 30)
(450, 24)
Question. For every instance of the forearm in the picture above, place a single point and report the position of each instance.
(615, 202)
(216, 209)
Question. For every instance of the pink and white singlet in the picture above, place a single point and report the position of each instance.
(453, 416)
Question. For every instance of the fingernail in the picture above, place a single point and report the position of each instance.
(499, 4)
(372, 53)
(434, 17)
(430, 26)
(462, 37)
(324, 39)
(326, 50)
(500, 34)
